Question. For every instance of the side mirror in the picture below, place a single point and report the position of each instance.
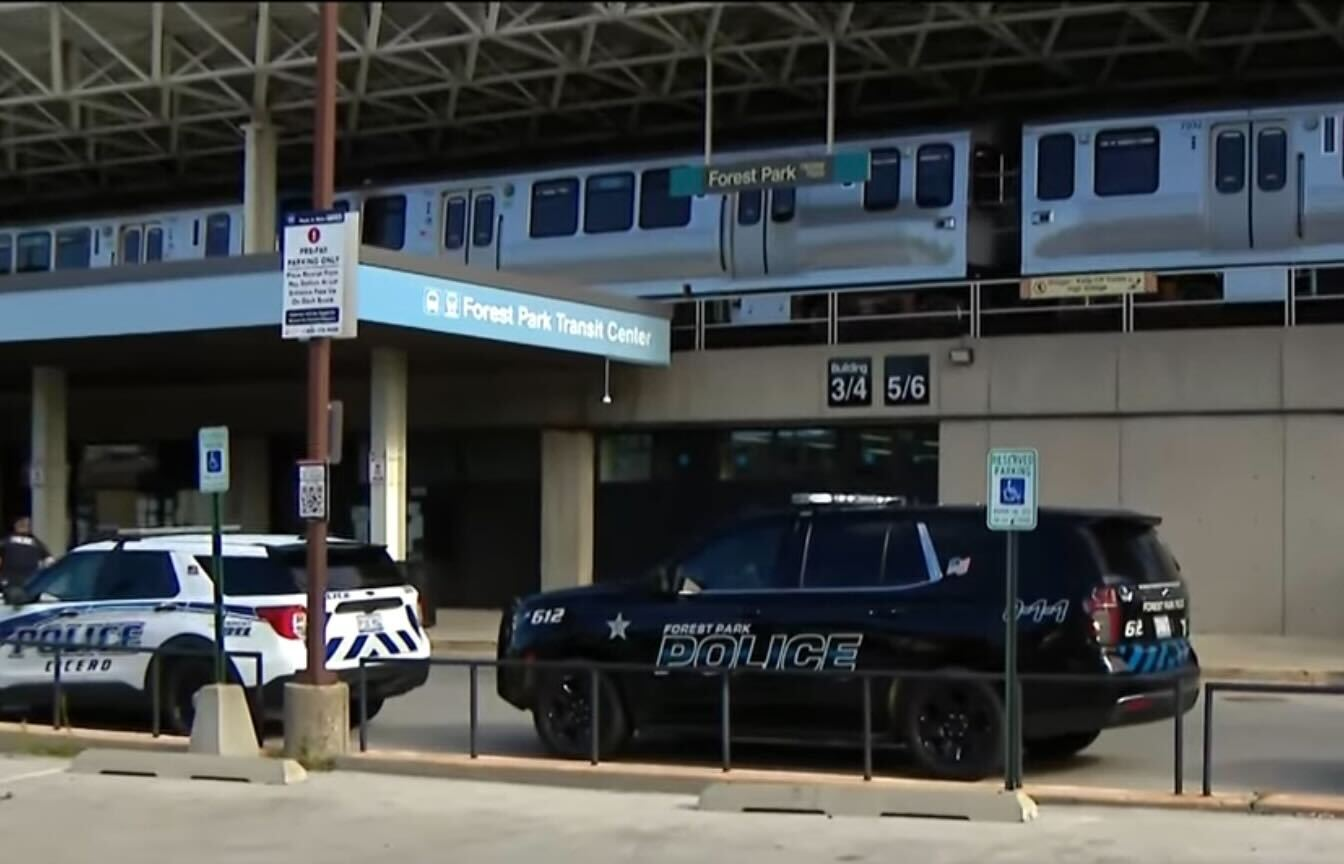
(15, 595)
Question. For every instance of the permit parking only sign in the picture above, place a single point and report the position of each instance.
(321, 257)
(1011, 495)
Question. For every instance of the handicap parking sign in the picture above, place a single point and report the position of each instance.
(1011, 494)
(213, 459)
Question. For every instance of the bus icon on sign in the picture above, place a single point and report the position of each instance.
(1012, 490)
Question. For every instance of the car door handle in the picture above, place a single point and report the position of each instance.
(67, 613)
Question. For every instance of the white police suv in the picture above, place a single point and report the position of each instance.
(153, 590)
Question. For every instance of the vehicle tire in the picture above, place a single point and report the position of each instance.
(562, 714)
(374, 705)
(1060, 746)
(953, 728)
(182, 678)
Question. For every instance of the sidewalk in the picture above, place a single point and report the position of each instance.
(1224, 657)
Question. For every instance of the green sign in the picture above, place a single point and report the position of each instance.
(687, 180)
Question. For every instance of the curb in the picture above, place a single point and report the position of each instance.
(689, 780)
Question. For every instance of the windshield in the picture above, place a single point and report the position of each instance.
(1134, 551)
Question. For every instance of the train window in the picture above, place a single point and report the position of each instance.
(609, 203)
(883, 189)
(658, 208)
(455, 223)
(34, 253)
(483, 221)
(1054, 167)
(783, 204)
(6, 254)
(384, 222)
(935, 172)
(749, 207)
(130, 246)
(1229, 162)
(1329, 141)
(154, 244)
(74, 247)
(217, 230)
(1126, 162)
(1271, 160)
(555, 208)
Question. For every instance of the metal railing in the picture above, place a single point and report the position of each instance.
(1214, 687)
(56, 652)
(1186, 299)
(1176, 682)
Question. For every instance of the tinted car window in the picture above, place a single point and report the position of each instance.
(347, 569)
(905, 562)
(72, 578)
(846, 552)
(744, 558)
(252, 576)
(1133, 551)
(138, 575)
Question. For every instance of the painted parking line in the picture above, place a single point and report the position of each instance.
(31, 775)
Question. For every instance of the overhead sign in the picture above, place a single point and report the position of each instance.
(907, 379)
(1011, 496)
(212, 459)
(321, 257)
(1088, 285)
(406, 299)
(849, 382)
(687, 180)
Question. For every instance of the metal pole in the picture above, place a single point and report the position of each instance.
(709, 106)
(725, 729)
(475, 712)
(1012, 779)
(217, 572)
(363, 705)
(1208, 741)
(597, 717)
(830, 96)
(1178, 765)
(319, 350)
(867, 728)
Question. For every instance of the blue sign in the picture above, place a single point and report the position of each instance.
(1011, 498)
(406, 299)
(1012, 491)
(213, 459)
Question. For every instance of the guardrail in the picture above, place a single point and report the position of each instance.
(56, 652)
(994, 307)
(1214, 687)
(1176, 681)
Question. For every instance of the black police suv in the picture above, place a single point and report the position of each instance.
(843, 583)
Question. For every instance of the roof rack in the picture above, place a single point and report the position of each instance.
(834, 499)
(121, 535)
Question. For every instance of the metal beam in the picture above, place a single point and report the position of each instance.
(261, 55)
(372, 27)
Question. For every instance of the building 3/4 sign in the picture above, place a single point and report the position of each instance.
(321, 258)
(849, 382)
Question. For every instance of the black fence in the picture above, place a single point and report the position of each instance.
(1177, 682)
(56, 652)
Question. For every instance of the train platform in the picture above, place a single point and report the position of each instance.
(1226, 657)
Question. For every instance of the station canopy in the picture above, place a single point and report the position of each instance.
(150, 98)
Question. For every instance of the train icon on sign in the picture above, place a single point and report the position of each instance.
(314, 234)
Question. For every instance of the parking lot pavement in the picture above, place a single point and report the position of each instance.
(353, 817)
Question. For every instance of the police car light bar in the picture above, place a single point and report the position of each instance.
(833, 498)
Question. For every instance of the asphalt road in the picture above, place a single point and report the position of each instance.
(1261, 743)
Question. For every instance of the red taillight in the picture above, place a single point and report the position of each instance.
(290, 622)
(1104, 607)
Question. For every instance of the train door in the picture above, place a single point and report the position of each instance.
(141, 242)
(781, 231)
(1256, 187)
(744, 213)
(471, 225)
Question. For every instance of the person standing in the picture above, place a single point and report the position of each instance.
(21, 554)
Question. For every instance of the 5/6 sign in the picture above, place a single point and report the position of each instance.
(849, 382)
(907, 379)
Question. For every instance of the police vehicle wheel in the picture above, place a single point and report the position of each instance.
(562, 714)
(954, 728)
(1060, 746)
(182, 678)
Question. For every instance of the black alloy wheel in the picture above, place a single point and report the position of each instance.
(562, 712)
(953, 728)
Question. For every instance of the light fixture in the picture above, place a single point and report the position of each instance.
(606, 381)
(961, 356)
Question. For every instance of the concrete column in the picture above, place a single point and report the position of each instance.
(567, 479)
(49, 473)
(387, 452)
(259, 188)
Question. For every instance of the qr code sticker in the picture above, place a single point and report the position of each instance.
(310, 501)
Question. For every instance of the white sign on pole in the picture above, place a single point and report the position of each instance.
(212, 459)
(321, 258)
(1011, 496)
(312, 490)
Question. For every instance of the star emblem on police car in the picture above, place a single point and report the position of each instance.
(617, 626)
